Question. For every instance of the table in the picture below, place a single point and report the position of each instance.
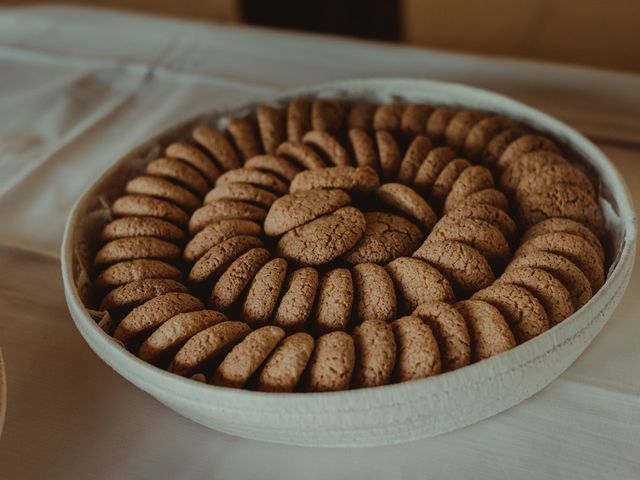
(79, 88)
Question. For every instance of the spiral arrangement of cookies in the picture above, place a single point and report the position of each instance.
(322, 246)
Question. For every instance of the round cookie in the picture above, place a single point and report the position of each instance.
(173, 333)
(527, 164)
(132, 248)
(224, 210)
(335, 300)
(364, 150)
(268, 181)
(218, 146)
(418, 355)
(163, 189)
(405, 200)
(228, 289)
(357, 179)
(498, 144)
(154, 313)
(275, 165)
(414, 118)
(436, 160)
(417, 282)
(296, 304)
(464, 266)
(325, 238)
(143, 206)
(195, 158)
(138, 292)
(332, 363)
(216, 233)
(298, 119)
(284, 368)
(132, 270)
(374, 293)
(471, 180)
(388, 154)
(328, 146)
(303, 155)
(180, 172)
(244, 192)
(141, 227)
(296, 209)
(413, 158)
(375, 348)
(524, 144)
(488, 196)
(246, 138)
(361, 116)
(246, 357)
(263, 294)
(544, 177)
(549, 291)
(326, 114)
(218, 257)
(388, 117)
(271, 125)
(450, 330)
(438, 121)
(459, 126)
(487, 213)
(207, 346)
(444, 182)
(481, 134)
(488, 329)
(524, 313)
(385, 237)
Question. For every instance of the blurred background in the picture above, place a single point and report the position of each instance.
(603, 33)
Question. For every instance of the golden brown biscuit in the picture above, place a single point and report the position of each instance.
(388, 117)
(335, 299)
(418, 355)
(413, 158)
(326, 114)
(528, 164)
(444, 182)
(132, 270)
(328, 146)
(180, 172)
(431, 167)
(284, 368)
(216, 233)
(524, 144)
(263, 294)
(487, 213)
(143, 206)
(375, 349)
(244, 192)
(364, 149)
(388, 154)
(473, 179)
(163, 189)
(414, 118)
(298, 119)
(220, 256)
(438, 121)
(218, 146)
(224, 210)
(303, 155)
(276, 165)
(138, 292)
(297, 300)
(196, 158)
(482, 133)
(141, 227)
(459, 126)
(498, 144)
(405, 200)
(361, 116)
(246, 138)
(375, 295)
(257, 178)
(332, 363)
(271, 125)
(490, 335)
(488, 196)
(131, 248)
(541, 179)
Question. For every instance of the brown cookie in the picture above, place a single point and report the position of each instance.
(220, 256)
(498, 144)
(414, 118)
(247, 356)
(482, 133)
(459, 126)
(216, 233)
(405, 200)
(418, 355)
(224, 210)
(487, 213)
(298, 119)
(488, 329)
(218, 147)
(332, 363)
(141, 227)
(473, 179)
(416, 282)
(275, 165)
(235, 279)
(549, 291)
(328, 147)
(335, 299)
(263, 294)
(364, 149)
(375, 349)
(438, 121)
(388, 154)
(388, 117)
(413, 158)
(431, 167)
(179, 172)
(136, 247)
(196, 158)
(143, 206)
(303, 155)
(138, 292)
(207, 346)
(153, 313)
(386, 237)
(464, 266)
(257, 178)
(284, 368)
(323, 239)
(450, 330)
(293, 210)
(163, 189)
(173, 333)
(488, 196)
(528, 164)
(326, 115)
(244, 192)
(361, 116)
(246, 138)
(544, 177)
(524, 144)
(524, 313)
(297, 300)
(444, 182)
(271, 125)
(375, 295)
(132, 270)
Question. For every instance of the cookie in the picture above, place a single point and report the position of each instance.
(153, 313)
(414, 118)
(431, 167)
(326, 115)
(388, 117)
(464, 266)
(141, 227)
(297, 300)
(482, 132)
(524, 313)
(335, 300)
(470, 180)
(216, 233)
(438, 121)
(138, 292)
(546, 176)
(405, 200)
(524, 144)
(207, 346)
(224, 210)
(528, 164)
(450, 330)
(283, 369)
(332, 363)
(375, 348)
(246, 357)
(413, 158)
(143, 206)
(564, 201)
(416, 282)
(256, 178)
(296, 209)
(498, 144)
(245, 136)
(388, 154)
(263, 294)
(173, 333)
(163, 189)
(361, 116)
(179, 172)
(298, 119)
(244, 192)
(488, 329)
(220, 256)
(488, 196)
(235, 279)
(386, 237)
(195, 158)
(328, 147)
(132, 270)
(218, 147)
(374, 293)
(418, 355)
(364, 150)
(303, 155)
(547, 289)
(444, 182)
(271, 125)
(275, 165)
(136, 247)
(459, 126)
(487, 213)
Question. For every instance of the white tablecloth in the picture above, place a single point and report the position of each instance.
(78, 88)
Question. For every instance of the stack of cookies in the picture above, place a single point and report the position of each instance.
(324, 245)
